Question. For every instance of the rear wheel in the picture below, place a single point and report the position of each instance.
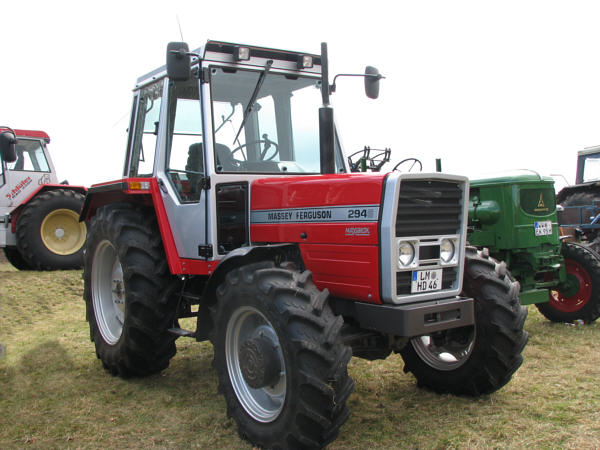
(49, 234)
(130, 297)
(478, 359)
(579, 297)
(280, 358)
(14, 257)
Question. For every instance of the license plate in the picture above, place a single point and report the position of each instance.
(426, 280)
(543, 228)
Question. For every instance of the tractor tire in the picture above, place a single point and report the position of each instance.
(49, 234)
(280, 359)
(130, 296)
(579, 299)
(14, 257)
(477, 359)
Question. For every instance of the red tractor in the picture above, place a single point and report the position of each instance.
(39, 218)
(237, 207)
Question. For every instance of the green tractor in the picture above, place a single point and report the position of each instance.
(515, 217)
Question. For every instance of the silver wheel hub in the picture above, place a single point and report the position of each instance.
(254, 358)
(108, 292)
(59, 233)
(447, 350)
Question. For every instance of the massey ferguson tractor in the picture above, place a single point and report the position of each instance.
(39, 218)
(514, 216)
(237, 207)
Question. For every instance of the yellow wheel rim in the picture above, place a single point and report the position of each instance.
(62, 233)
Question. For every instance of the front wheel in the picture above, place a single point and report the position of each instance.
(477, 359)
(280, 358)
(578, 298)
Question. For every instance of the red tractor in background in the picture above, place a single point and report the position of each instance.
(39, 218)
(237, 207)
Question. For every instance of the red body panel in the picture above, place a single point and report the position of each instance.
(323, 190)
(345, 263)
(348, 271)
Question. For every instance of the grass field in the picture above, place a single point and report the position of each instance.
(54, 392)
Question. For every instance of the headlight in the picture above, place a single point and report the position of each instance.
(447, 250)
(406, 254)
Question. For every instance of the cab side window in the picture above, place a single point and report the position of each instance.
(30, 157)
(146, 131)
(185, 155)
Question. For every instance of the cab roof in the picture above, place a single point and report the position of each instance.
(36, 134)
(223, 52)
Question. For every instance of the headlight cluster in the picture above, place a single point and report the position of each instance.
(409, 255)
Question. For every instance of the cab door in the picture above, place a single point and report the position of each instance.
(30, 170)
(182, 169)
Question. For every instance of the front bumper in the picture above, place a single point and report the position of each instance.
(414, 319)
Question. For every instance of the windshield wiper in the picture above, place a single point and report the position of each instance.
(255, 92)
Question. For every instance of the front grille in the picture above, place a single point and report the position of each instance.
(403, 280)
(427, 208)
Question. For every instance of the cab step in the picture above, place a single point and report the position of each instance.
(182, 333)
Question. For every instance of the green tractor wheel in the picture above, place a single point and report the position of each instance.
(579, 297)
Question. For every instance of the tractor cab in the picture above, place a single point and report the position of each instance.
(28, 167)
(232, 115)
(588, 165)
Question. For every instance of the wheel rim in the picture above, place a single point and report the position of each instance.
(108, 292)
(262, 404)
(62, 233)
(576, 292)
(447, 350)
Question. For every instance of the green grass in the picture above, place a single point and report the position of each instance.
(54, 392)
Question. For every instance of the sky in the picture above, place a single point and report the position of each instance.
(486, 86)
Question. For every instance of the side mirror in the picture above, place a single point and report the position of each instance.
(7, 146)
(178, 61)
(372, 77)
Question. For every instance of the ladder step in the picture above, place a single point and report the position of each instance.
(182, 333)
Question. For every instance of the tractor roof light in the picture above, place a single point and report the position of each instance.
(241, 53)
(305, 62)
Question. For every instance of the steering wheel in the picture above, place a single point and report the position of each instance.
(262, 157)
(415, 161)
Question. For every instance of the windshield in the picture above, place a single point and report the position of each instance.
(591, 171)
(278, 133)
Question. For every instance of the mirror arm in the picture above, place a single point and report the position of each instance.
(364, 75)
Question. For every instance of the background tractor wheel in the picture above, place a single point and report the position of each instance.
(14, 257)
(129, 294)
(579, 297)
(280, 358)
(49, 234)
(477, 359)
